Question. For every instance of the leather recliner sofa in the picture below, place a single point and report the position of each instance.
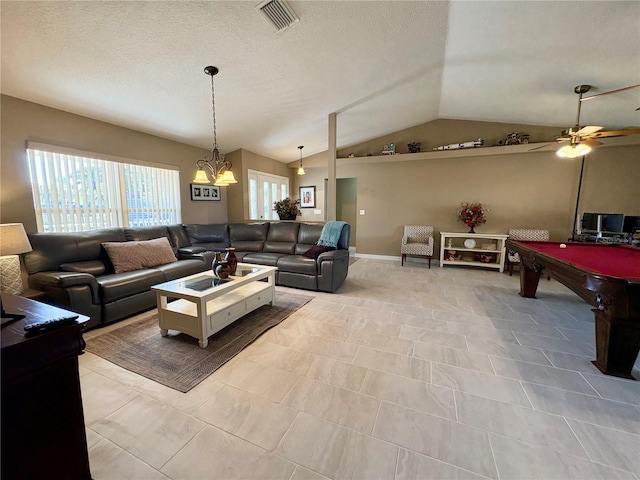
(75, 272)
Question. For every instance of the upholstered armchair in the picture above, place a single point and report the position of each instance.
(417, 240)
(524, 234)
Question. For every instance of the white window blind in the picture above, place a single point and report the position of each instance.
(74, 191)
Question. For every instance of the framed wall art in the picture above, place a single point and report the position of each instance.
(204, 192)
(308, 197)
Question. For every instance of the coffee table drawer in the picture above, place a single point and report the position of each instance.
(224, 317)
(258, 299)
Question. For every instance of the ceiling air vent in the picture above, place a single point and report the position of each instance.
(278, 14)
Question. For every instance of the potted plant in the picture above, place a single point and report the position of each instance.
(287, 209)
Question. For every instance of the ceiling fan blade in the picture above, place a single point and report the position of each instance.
(592, 143)
(609, 93)
(588, 130)
(616, 133)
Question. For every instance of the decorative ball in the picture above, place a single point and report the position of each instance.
(563, 245)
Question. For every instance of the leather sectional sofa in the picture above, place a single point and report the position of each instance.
(75, 271)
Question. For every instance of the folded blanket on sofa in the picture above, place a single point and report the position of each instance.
(330, 234)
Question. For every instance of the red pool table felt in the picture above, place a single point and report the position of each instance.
(620, 261)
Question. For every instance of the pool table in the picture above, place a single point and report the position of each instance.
(606, 276)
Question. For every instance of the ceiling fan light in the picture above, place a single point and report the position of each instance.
(201, 176)
(573, 150)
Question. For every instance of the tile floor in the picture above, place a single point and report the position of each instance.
(406, 373)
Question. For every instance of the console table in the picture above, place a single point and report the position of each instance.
(485, 250)
(43, 433)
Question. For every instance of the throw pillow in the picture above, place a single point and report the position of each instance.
(316, 250)
(128, 256)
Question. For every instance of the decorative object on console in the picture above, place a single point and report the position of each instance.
(231, 259)
(472, 214)
(456, 146)
(13, 242)
(470, 243)
(217, 164)
(287, 209)
(514, 138)
(300, 169)
(307, 197)
(414, 147)
(389, 149)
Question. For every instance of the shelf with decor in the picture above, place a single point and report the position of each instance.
(485, 250)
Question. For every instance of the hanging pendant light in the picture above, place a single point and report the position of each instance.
(217, 164)
(300, 169)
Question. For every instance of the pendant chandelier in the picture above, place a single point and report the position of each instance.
(300, 169)
(218, 166)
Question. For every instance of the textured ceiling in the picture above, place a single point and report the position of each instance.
(382, 65)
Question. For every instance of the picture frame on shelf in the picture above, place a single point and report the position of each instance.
(308, 197)
(206, 193)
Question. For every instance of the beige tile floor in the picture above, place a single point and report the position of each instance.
(405, 373)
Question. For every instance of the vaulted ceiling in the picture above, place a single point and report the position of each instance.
(381, 65)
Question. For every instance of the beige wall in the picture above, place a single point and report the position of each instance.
(22, 121)
(534, 190)
(520, 190)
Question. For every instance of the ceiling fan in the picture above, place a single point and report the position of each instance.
(582, 140)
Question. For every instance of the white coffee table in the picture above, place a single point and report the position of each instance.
(205, 306)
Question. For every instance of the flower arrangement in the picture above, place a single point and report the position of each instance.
(472, 214)
(287, 209)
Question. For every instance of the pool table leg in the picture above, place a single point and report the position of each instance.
(617, 344)
(529, 279)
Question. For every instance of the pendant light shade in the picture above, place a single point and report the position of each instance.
(218, 166)
(300, 169)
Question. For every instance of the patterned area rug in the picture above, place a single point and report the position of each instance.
(177, 361)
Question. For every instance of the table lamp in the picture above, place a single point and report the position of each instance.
(13, 242)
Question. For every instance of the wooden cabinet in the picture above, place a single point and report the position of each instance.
(43, 433)
(485, 250)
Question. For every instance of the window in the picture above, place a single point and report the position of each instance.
(75, 191)
(264, 189)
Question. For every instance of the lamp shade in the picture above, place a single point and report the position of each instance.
(13, 239)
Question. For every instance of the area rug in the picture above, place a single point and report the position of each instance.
(176, 360)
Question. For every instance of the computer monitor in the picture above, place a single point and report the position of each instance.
(603, 223)
(630, 223)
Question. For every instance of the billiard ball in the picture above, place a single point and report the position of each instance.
(563, 245)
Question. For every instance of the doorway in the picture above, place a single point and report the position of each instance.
(346, 204)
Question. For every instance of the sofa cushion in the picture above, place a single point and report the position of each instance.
(297, 264)
(263, 258)
(316, 250)
(117, 286)
(129, 256)
(248, 237)
(183, 268)
(282, 238)
(215, 235)
(92, 267)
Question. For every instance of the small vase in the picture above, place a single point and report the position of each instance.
(223, 270)
(471, 229)
(217, 260)
(287, 216)
(232, 260)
